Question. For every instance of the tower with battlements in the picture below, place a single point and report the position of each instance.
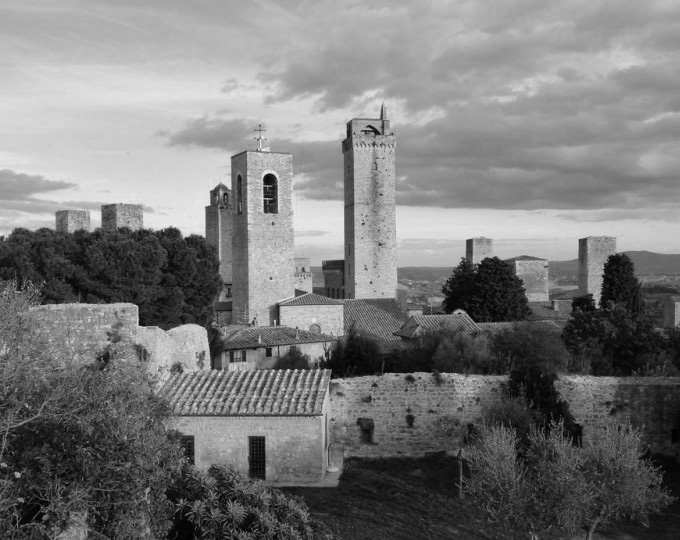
(370, 215)
(219, 228)
(263, 273)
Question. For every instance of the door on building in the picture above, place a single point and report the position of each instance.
(257, 460)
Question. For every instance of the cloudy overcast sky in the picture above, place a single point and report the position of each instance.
(532, 122)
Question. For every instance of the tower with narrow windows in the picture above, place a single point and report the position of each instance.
(262, 242)
(370, 215)
(219, 227)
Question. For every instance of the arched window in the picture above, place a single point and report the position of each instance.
(225, 199)
(270, 193)
(315, 329)
(239, 194)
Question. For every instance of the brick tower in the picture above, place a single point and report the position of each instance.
(593, 252)
(115, 216)
(370, 217)
(262, 246)
(72, 220)
(219, 227)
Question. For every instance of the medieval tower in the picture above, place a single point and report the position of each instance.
(219, 227)
(262, 245)
(593, 253)
(370, 217)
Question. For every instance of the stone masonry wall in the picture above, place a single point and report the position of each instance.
(294, 445)
(83, 329)
(219, 224)
(455, 400)
(331, 318)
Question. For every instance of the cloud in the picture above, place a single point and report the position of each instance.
(309, 233)
(15, 186)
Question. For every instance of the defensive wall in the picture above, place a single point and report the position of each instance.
(412, 414)
(80, 331)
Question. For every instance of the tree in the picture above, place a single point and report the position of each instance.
(488, 292)
(293, 359)
(86, 441)
(173, 280)
(619, 284)
(558, 487)
(353, 356)
(465, 353)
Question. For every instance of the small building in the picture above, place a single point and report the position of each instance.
(259, 347)
(314, 312)
(271, 425)
(671, 312)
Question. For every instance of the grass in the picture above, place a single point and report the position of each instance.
(413, 498)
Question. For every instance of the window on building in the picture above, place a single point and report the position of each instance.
(315, 329)
(257, 460)
(187, 444)
(225, 199)
(237, 356)
(268, 352)
(270, 194)
(239, 194)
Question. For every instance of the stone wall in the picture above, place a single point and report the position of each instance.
(115, 216)
(418, 413)
(295, 446)
(534, 275)
(81, 330)
(329, 317)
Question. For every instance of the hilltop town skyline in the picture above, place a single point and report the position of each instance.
(533, 125)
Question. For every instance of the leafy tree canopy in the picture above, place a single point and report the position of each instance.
(172, 279)
(488, 292)
(619, 284)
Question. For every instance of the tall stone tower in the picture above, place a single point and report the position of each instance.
(219, 228)
(370, 216)
(115, 216)
(478, 249)
(593, 252)
(262, 246)
(72, 220)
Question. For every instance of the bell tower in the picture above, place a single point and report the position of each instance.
(263, 270)
(370, 217)
(219, 227)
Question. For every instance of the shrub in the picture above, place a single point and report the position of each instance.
(293, 359)
(464, 353)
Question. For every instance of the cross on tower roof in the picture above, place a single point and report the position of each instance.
(259, 137)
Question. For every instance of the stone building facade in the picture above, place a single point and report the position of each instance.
(370, 216)
(70, 221)
(534, 275)
(262, 245)
(478, 249)
(303, 274)
(314, 313)
(593, 253)
(334, 278)
(671, 312)
(115, 216)
(219, 228)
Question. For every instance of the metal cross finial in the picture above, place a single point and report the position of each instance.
(260, 138)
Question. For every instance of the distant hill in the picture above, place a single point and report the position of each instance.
(646, 264)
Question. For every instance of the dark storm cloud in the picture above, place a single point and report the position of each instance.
(533, 104)
(15, 186)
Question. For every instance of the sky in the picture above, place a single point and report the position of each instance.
(531, 122)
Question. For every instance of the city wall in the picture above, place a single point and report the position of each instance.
(411, 414)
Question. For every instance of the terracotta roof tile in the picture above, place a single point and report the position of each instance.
(378, 318)
(252, 337)
(460, 321)
(310, 299)
(262, 392)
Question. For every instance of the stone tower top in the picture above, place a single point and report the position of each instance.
(370, 126)
(220, 195)
(72, 220)
(115, 216)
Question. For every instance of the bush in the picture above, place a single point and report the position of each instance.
(465, 353)
(354, 356)
(221, 503)
(293, 359)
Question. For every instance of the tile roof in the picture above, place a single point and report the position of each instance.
(378, 318)
(262, 392)
(459, 321)
(310, 299)
(525, 258)
(253, 337)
